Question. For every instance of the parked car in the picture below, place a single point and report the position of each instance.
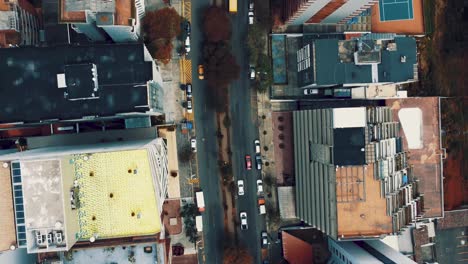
(310, 91)
(251, 6)
(248, 162)
(257, 146)
(201, 72)
(264, 239)
(193, 144)
(187, 44)
(251, 17)
(252, 73)
(240, 187)
(243, 218)
(189, 105)
(187, 28)
(188, 90)
(258, 162)
(259, 186)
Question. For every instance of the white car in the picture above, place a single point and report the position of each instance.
(240, 187)
(251, 17)
(264, 237)
(187, 44)
(310, 91)
(243, 219)
(189, 105)
(257, 146)
(193, 144)
(259, 186)
(252, 73)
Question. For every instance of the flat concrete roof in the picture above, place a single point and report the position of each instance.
(7, 221)
(364, 214)
(426, 162)
(42, 193)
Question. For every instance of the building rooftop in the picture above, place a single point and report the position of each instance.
(426, 157)
(42, 192)
(7, 221)
(32, 82)
(117, 194)
(349, 61)
(361, 209)
(113, 12)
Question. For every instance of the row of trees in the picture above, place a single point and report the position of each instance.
(256, 42)
(221, 67)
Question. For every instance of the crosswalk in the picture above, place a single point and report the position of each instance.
(185, 71)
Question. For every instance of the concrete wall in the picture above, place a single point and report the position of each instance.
(72, 226)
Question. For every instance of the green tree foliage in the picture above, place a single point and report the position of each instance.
(188, 212)
(256, 42)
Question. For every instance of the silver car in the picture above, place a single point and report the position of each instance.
(240, 187)
(243, 219)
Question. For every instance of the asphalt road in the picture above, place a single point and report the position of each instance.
(244, 132)
(208, 170)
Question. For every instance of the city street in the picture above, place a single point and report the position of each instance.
(244, 132)
(208, 169)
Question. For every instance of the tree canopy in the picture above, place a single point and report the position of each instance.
(221, 66)
(216, 24)
(236, 255)
(160, 28)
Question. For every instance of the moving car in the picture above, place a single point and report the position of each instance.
(189, 105)
(201, 72)
(251, 13)
(240, 187)
(252, 73)
(187, 44)
(188, 90)
(248, 162)
(243, 218)
(310, 91)
(258, 162)
(264, 239)
(259, 186)
(257, 146)
(193, 144)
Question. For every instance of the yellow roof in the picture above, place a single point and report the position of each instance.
(116, 194)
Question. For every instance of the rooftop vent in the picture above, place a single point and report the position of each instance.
(402, 59)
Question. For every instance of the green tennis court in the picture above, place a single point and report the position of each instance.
(391, 10)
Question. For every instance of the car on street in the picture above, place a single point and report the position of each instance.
(240, 187)
(193, 144)
(251, 17)
(259, 186)
(258, 162)
(248, 162)
(264, 239)
(310, 91)
(252, 73)
(187, 28)
(188, 90)
(257, 146)
(189, 105)
(201, 72)
(187, 44)
(243, 219)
